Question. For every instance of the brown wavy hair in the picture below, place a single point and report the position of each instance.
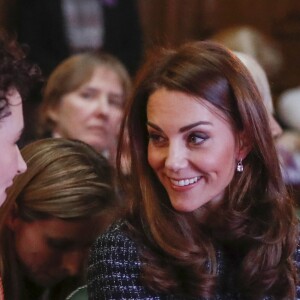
(255, 222)
(15, 70)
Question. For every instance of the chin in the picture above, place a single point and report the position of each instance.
(185, 208)
(95, 144)
(188, 205)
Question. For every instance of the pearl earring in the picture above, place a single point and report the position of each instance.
(240, 167)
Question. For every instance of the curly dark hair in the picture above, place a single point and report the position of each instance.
(15, 71)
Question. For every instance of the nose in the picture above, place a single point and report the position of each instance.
(176, 157)
(72, 262)
(22, 166)
(103, 105)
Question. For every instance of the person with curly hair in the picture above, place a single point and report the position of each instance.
(210, 216)
(89, 105)
(16, 78)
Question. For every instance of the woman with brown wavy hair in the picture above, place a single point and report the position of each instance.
(210, 216)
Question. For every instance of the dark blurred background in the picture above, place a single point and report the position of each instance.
(174, 21)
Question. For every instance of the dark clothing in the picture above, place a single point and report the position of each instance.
(114, 271)
(41, 26)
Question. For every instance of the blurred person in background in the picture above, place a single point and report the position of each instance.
(54, 30)
(262, 83)
(254, 42)
(287, 142)
(84, 99)
(17, 77)
(288, 107)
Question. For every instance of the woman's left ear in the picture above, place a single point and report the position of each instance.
(243, 146)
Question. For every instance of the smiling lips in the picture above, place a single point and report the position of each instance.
(185, 182)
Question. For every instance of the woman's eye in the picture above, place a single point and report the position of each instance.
(59, 245)
(196, 139)
(155, 138)
(86, 95)
(116, 100)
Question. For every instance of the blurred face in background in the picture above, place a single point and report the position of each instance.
(93, 112)
(11, 127)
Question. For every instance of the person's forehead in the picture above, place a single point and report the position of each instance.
(61, 229)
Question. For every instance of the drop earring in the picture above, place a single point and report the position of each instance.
(240, 167)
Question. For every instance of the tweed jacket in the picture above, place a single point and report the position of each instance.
(114, 272)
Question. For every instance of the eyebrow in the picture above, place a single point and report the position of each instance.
(97, 89)
(182, 129)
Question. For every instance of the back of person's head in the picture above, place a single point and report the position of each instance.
(70, 75)
(262, 83)
(65, 179)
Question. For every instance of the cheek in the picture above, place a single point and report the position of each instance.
(74, 109)
(28, 254)
(116, 116)
(8, 162)
(38, 255)
(73, 112)
(220, 160)
(154, 157)
(224, 162)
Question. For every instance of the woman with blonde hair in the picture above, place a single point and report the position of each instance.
(53, 213)
(84, 99)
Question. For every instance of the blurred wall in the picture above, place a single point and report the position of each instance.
(174, 21)
(7, 10)
(171, 22)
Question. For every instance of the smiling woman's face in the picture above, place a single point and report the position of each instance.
(192, 149)
(11, 127)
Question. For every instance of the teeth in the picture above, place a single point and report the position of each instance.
(185, 182)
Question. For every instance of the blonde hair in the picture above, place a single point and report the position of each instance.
(65, 179)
